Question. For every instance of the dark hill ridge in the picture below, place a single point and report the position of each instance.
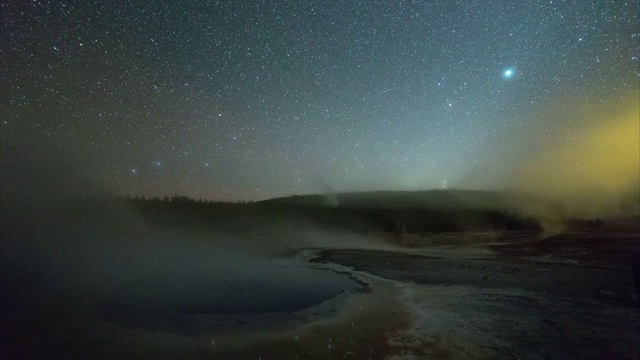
(416, 211)
(427, 199)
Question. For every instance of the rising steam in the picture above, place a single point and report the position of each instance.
(591, 167)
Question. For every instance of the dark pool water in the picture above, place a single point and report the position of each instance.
(250, 287)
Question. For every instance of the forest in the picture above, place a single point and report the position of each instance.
(358, 216)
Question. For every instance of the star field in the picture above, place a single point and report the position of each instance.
(257, 99)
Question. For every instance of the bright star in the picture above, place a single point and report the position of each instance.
(508, 73)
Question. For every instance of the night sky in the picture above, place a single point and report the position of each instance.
(250, 100)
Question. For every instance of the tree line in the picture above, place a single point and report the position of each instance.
(182, 210)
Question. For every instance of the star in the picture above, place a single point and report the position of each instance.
(276, 105)
(508, 73)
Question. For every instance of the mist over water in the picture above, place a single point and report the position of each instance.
(74, 259)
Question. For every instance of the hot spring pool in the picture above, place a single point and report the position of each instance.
(280, 285)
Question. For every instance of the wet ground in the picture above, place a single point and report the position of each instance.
(465, 296)
(516, 295)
